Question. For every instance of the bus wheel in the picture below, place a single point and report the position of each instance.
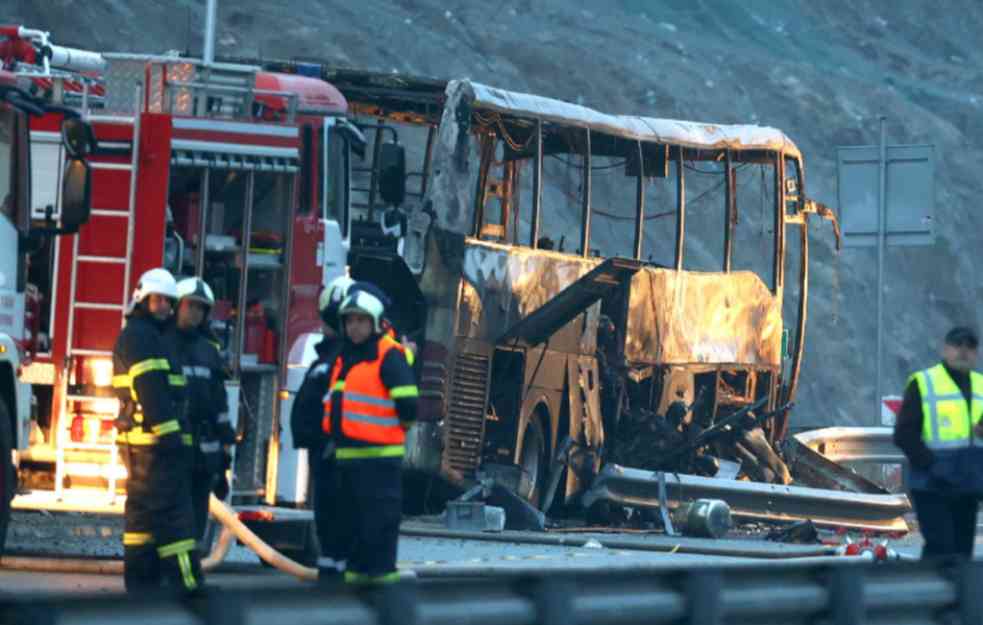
(8, 477)
(532, 462)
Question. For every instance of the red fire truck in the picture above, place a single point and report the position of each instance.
(212, 169)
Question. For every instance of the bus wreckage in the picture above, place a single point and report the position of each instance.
(591, 292)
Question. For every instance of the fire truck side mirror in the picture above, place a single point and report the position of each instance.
(77, 137)
(392, 173)
(76, 191)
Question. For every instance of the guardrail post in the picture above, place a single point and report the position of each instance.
(553, 599)
(397, 603)
(970, 584)
(221, 607)
(703, 598)
(847, 605)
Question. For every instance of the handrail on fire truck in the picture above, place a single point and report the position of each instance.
(206, 88)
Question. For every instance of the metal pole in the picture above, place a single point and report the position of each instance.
(730, 208)
(881, 226)
(204, 201)
(585, 205)
(208, 55)
(537, 186)
(680, 209)
(640, 203)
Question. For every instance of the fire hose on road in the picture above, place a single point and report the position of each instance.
(231, 527)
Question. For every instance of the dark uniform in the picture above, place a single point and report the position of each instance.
(371, 404)
(208, 415)
(305, 424)
(155, 440)
(935, 430)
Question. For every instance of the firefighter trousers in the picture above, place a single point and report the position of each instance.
(158, 535)
(202, 483)
(358, 505)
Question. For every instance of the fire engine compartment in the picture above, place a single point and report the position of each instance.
(235, 200)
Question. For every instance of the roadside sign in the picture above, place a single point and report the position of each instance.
(890, 407)
(910, 202)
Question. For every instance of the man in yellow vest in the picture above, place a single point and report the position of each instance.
(939, 430)
(371, 402)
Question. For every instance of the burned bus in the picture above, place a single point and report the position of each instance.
(543, 257)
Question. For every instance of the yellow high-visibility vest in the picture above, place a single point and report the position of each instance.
(947, 422)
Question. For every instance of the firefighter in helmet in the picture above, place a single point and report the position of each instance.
(155, 439)
(208, 408)
(307, 408)
(370, 404)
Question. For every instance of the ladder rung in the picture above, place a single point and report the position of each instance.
(69, 444)
(88, 398)
(107, 212)
(89, 352)
(98, 306)
(115, 260)
(113, 166)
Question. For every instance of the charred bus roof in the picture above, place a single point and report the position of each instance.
(397, 96)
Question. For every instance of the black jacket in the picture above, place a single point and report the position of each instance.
(153, 371)
(395, 371)
(909, 424)
(204, 372)
(308, 408)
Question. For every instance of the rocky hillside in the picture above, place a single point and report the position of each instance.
(821, 71)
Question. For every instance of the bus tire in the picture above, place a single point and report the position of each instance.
(532, 461)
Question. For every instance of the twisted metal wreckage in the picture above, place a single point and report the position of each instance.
(550, 369)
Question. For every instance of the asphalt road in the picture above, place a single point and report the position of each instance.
(76, 536)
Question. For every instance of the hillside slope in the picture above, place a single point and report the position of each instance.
(823, 72)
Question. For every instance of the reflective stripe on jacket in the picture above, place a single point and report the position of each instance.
(368, 412)
(947, 420)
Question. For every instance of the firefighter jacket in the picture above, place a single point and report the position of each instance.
(950, 405)
(308, 407)
(148, 381)
(371, 400)
(208, 407)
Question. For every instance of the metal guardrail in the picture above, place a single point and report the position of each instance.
(754, 500)
(854, 444)
(913, 594)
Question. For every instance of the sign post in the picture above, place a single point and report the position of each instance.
(886, 196)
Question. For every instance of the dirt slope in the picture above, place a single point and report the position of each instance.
(821, 71)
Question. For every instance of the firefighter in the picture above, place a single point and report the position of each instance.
(307, 409)
(938, 428)
(153, 434)
(208, 407)
(370, 405)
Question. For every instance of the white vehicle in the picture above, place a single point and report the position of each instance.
(19, 234)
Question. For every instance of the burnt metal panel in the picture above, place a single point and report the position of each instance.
(543, 322)
(503, 284)
(689, 317)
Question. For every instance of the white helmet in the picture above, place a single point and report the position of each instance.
(331, 298)
(159, 281)
(196, 290)
(361, 301)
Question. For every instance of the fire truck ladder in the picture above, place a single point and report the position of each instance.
(75, 347)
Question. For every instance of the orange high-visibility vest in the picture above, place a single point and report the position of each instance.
(368, 412)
